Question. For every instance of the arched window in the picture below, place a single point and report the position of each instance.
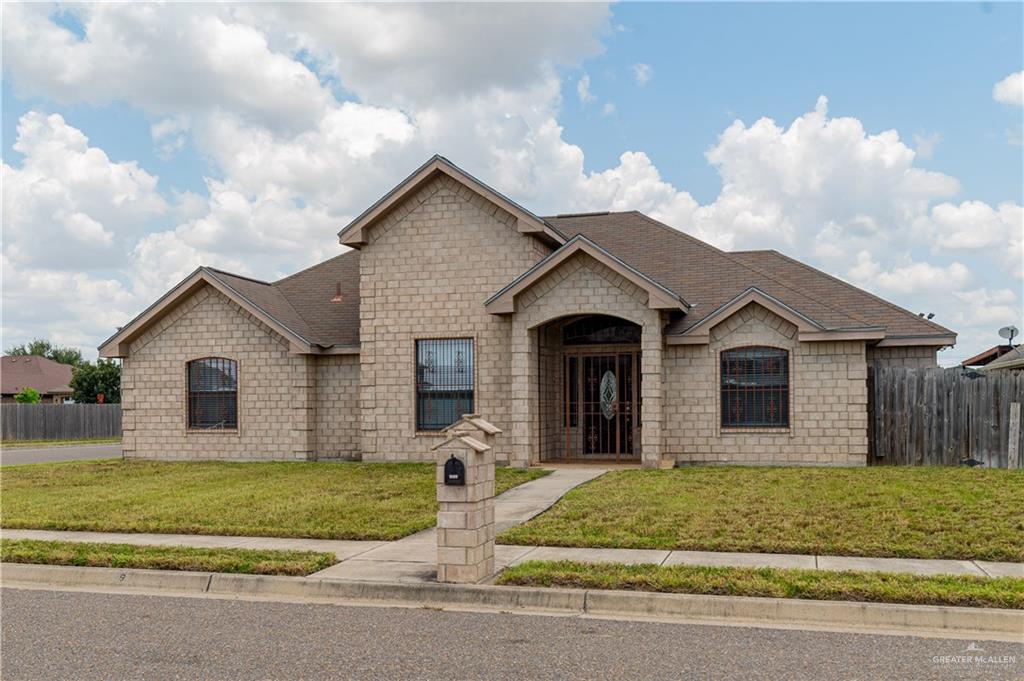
(755, 388)
(213, 394)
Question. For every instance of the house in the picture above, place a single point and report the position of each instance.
(50, 379)
(598, 336)
(1011, 360)
(987, 356)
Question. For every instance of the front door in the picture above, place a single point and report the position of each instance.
(602, 404)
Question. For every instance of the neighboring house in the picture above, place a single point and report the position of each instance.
(588, 336)
(987, 357)
(50, 379)
(1012, 360)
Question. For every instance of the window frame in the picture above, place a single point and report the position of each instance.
(782, 427)
(472, 339)
(189, 427)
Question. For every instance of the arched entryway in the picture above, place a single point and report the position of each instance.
(589, 389)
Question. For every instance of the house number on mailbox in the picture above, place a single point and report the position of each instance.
(454, 472)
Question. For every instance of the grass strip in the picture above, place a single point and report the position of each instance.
(884, 511)
(871, 587)
(241, 561)
(379, 501)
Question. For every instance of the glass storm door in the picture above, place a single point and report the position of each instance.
(602, 391)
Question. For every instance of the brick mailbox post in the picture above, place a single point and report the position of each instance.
(465, 493)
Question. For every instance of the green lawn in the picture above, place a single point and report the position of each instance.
(14, 444)
(322, 500)
(244, 561)
(877, 587)
(921, 512)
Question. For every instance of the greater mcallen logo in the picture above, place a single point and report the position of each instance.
(974, 654)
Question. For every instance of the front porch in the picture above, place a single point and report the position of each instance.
(589, 390)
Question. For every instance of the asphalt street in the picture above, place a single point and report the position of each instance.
(60, 635)
(12, 456)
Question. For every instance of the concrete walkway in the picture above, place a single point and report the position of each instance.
(413, 558)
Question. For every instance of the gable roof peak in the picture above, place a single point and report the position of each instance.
(354, 234)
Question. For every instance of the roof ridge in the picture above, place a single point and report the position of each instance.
(730, 258)
(236, 276)
(894, 306)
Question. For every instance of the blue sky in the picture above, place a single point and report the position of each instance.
(920, 68)
(281, 123)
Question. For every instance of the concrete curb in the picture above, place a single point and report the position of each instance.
(999, 623)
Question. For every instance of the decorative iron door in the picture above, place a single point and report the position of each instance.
(602, 404)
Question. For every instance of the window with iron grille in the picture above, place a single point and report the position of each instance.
(444, 381)
(755, 388)
(213, 394)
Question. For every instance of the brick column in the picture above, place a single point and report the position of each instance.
(523, 398)
(465, 519)
(651, 391)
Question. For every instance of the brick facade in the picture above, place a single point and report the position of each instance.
(275, 414)
(828, 398)
(907, 356)
(337, 407)
(425, 270)
(424, 273)
(580, 286)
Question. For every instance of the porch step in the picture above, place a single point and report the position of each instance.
(665, 464)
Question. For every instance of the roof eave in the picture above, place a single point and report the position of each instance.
(118, 345)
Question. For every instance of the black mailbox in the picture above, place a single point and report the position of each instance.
(454, 472)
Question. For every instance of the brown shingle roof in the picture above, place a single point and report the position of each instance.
(18, 372)
(703, 275)
(708, 277)
(310, 292)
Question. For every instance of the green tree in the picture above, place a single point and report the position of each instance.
(45, 348)
(89, 380)
(27, 396)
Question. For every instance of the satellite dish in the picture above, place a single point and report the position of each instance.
(1008, 332)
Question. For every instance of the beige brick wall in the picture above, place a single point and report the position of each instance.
(912, 357)
(337, 407)
(828, 399)
(275, 413)
(426, 271)
(581, 286)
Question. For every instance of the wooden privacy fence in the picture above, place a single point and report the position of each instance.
(59, 421)
(943, 416)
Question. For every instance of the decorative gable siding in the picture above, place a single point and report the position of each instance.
(425, 272)
(828, 399)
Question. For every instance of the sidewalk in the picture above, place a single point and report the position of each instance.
(413, 558)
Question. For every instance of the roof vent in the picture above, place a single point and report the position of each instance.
(337, 297)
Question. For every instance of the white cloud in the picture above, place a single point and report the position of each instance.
(975, 225)
(255, 89)
(910, 278)
(169, 135)
(68, 206)
(608, 109)
(642, 73)
(924, 145)
(1010, 90)
(168, 60)
(583, 89)
(412, 56)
